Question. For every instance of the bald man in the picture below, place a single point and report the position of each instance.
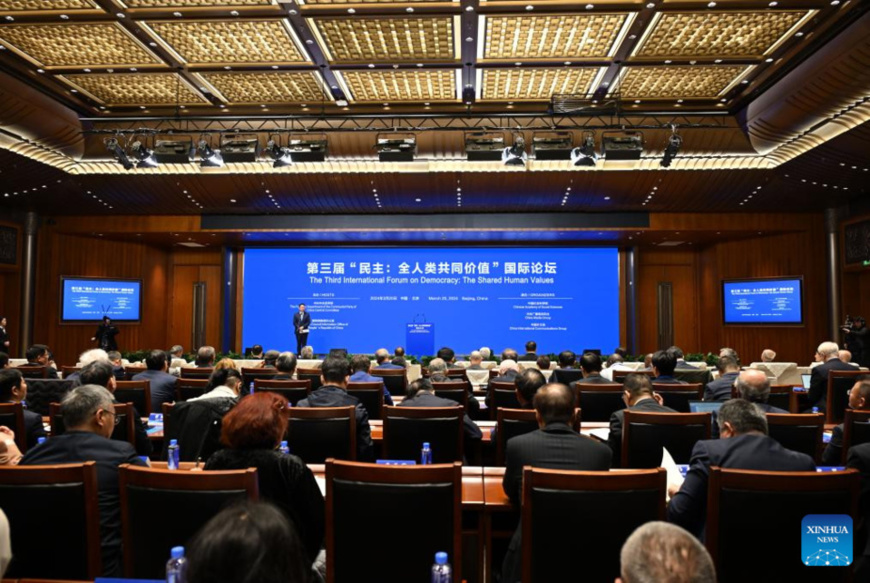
(754, 386)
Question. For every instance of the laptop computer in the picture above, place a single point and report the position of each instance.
(704, 406)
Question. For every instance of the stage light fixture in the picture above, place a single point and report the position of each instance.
(209, 158)
(552, 145)
(174, 150)
(145, 157)
(396, 148)
(585, 154)
(516, 154)
(675, 141)
(625, 145)
(484, 147)
(115, 148)
(309, 150)
(240, 147)
(281, 156)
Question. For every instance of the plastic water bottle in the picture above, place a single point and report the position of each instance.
(441, 571)
(426, 454)
(40, 440)
(815, 409)
(172, 457)
(283, 447)
(176, 566)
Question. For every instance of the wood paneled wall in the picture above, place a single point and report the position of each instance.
(188, 268)
(679, 269)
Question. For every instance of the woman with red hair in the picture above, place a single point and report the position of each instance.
(252, 432)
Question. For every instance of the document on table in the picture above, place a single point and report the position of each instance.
(600, 433)
(674, 476)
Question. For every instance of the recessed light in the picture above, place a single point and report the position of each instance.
(530, 7)
(234, 13)
(409, 9)
(418, 200)
(469, 39)
(40, 71)
(64, 17)
(309, 42)
(717, 61)
(371, 66)
(176, 14)
(711, 5)
(351, 11)
(606, 198)
(772, 4)
(798, 34)
(768, 60)
(590, 6)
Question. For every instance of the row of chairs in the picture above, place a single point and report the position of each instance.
(53, 512)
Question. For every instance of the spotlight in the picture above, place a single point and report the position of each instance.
(516, 154)
(483, 146)
(280, 155)
(115, 148)
(240, 147)
(585, 155)
(673, 147)
(396, 148)
(146, 157)
(209, 158)
(552, 145)
(309, 150)
(173, 150)
(623, 145)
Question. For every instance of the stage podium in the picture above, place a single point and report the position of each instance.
(420, 338)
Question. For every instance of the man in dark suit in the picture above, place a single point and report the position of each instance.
(301, 322)
(475, 359)
(859, 458)
(100, 373)
(13, 389)
(507, 373)
(89, 418)
(680, 358)
(399, 357)
(39, 355)
(754, 386)
(205, 357)
(664, 362)
(424, 396)
(162, 383)
(438, 374)
(859, 400)
(720, 389)
(286, 366)
(830, 355)
(359, 366)
(744, 444)
(333, 393)
(382, 357)
(554, 446)
(638, 396)
(531, 352)
(590, 364)
(567, 360)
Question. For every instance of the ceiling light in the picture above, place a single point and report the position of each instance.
(209, 158)
(585, 155)
(115, 148)
(622, 145)
(281, 156)
(146, 157)
(516, 154)
(552, 145)
(396, 148)
(673, 147)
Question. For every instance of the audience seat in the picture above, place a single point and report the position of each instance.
(406, 513)
(42, 392)
(189, 388)
(193, 372)
(161, 509)
(600, 401)
(249, 375)
(699, 375)
(801, 433)
(514, 422)
(65, 371)
(54, 521)
(780, 396)
(292, 390)
(318, 433)
(33, 371)
(619, 375)
(645, 434)
(501, 395)
(132, 370)
(124, 430)
(370, 395)
(770, 507)
(454, 391)
(136, 392)
(566, 376)
(602, 509)
(856, 430)
(396, 380)
(407, 428)
(837, 398)
(677, 397)
(12, 416)
(310, 374)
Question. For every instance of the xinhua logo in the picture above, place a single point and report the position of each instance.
(826, 540)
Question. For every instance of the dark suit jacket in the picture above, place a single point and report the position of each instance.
(283, 376)
(33, 427)
(818, 392)
(594, 378)
(528, 357)
(364, 377)
(162, 387)
(668, 380)
(332, 396)
(78, 446)
(832, 456)
(720, 389)
(767, 408)
(683, 365)
(301, 320)
(688, 508)
(617, 419)
(426, 399)
(389, 365)
(859, 458)
(555, 447)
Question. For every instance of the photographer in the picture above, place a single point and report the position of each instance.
(857, 341)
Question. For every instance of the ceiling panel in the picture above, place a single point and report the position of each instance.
(268, 87)
(342, 2)
(528, 84)
(46, 5)
(679, 82)
(143, 89)
(214, 42)
(401, 86)
(192, 3)
(77, 45)
(387, 40)
(744, 35)
(563, 36)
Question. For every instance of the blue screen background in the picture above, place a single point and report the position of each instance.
(762, 301)
(576, 308)
(91, 299)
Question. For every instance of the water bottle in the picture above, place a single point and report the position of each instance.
(176, 566)
(426, 454)
(441, 571)
(40, 440)
(815, 409)
(172, 456)
(283, 447)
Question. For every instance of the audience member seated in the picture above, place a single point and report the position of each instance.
(101, 374)
(89, 418)
(424, 396)
(176, 360)
(382, 357)
(205, 357)
(39, 355)
(474, 360)
(359, 366)
(485, 352)
(531, 354)
(590, 364)
(286, 366)
(638, 395)
(567, 359)
(270, 358)
(829, 354)
(252, 432)
(720, 389)
(399, 357)
(162, 383)
(744, 444)
(245, 543)
(543, 362)
(333, 393)
(528, 382)
(507, 371)
(117, 365)
(662, 553)
(754, 386)
(614, 362)
(307, 353)
(86, 358)
(681, 361)
(438, 374)
(859, 400)
(10, 455)
(226, 363)
(509, 354)
(647, 361)
(223, 383)
(621, 351)
(13, 389)
(846, 356)
(554, 446)
(664, 362)
(729, 352)
(256, 352)
(859, 459)
(768, 355)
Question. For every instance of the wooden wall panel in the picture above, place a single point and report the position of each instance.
(188, 268)
(82, 256)
(678, 268)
